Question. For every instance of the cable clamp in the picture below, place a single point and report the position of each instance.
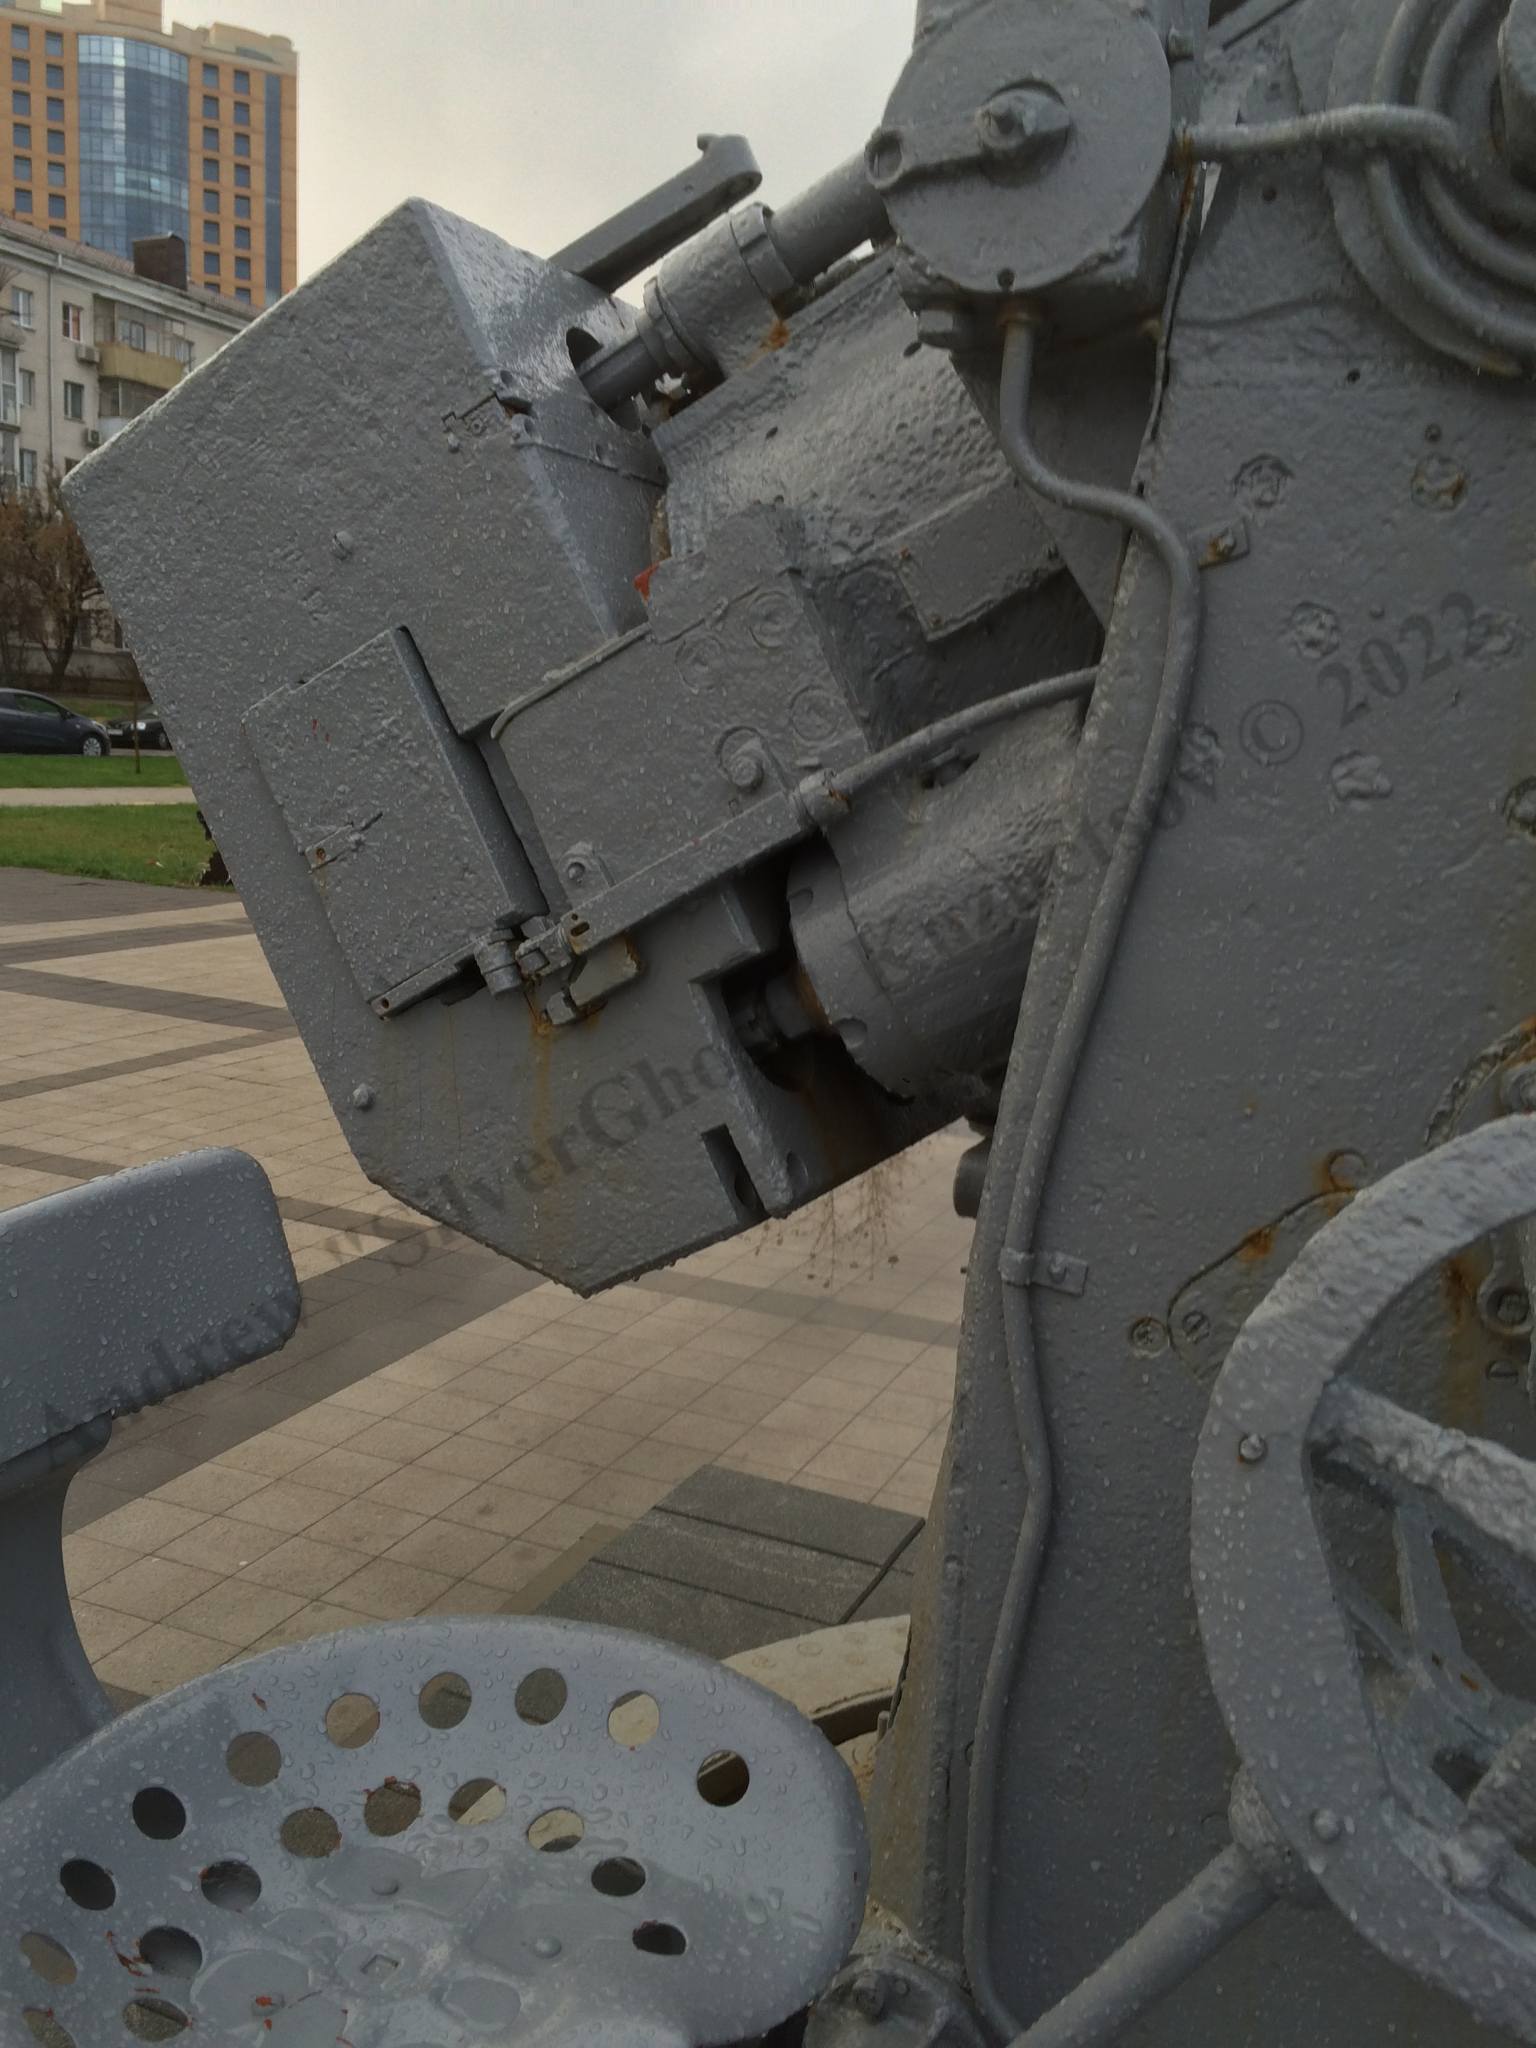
(1059, 1271)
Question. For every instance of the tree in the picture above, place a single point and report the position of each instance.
(62, 579)
(17, 589)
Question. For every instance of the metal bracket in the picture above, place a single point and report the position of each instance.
(1058, 1271)
(650, 227)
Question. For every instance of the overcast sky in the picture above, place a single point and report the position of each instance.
(539, 117)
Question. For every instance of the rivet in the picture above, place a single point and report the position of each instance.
(1252, 1450)
(546, 1945)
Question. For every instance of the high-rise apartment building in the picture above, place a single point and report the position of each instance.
(119, 129)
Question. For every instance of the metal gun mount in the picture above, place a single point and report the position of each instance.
(1063, 663)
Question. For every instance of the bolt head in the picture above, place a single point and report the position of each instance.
(1023, 123)
(1195, 1324)
(1148, 1337)
(363, 1096)
(1326, 1825)
(1252, 1450)
(868, 1996)
(575, 871)
(746, 772)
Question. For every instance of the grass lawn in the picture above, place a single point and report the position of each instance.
(74, 771)
(122, 842)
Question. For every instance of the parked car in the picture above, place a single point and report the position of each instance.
(151, 730)
(36, 725)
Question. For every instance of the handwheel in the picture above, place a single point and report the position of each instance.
(1397, 1768)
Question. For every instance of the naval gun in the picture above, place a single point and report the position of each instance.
(1034, 629)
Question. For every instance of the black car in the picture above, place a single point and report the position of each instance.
(36, 725)
(151, 729)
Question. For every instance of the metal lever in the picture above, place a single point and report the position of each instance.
(652, 226)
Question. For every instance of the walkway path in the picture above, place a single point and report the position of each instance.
(66, 799)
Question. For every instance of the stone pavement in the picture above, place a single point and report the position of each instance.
(66, 799)
(447, 1432)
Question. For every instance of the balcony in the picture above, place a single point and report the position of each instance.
(10, 411)
(139, 365)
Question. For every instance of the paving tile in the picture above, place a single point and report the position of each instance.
(87, 1561)
(551, 1478)
(450, 1547)
(270, 1453)
(102, 1631)
(446, 1409)
(152, 1587)
(598, 1375)
(516, 1429)
(320, 1426)
(513, 1564)
(420, 1490)
(744, 1565)
(588, 1444)
(144, 1525)
(707, 1433)
(399, 1440)
(303, 1565)
(348, 1472)
(469, 1596)
(871, 1432)
(733, 1404)
(619, 1493)
(158, 1658)
(506, 1510)
(564, 1403)
(565, 1525)
(318, 1618)
(390, 1590)
(771, 1509)
(864, 1468)
(366, 1524)
(374, 1396)
(470, 1457)
(237, 1612)
(210, 1488)
(221, 1544)
(286, 1505)
(652, 1460)
(710, 1623)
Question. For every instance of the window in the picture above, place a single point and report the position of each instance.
(135, 125)
(242, 114)
(58, 206)
(210, 202)
(74, 401)
(55, 141)
(26, 469)
(210, 231)
(243, 296)
(242, 145)
(55, 43)
(211, 75)
(55, 77)
(56, 174)
(21, 135)
(21, 103)
(243, 176)
(27, 385)
(243, 84)
(21, 306)
(74, 323)
(23, 202)
(21, 169)
(21, 39)
(242, 266)
(55, 231)
(21, 71)
(242, 206)
(210, 139)
(55, 110)
(210, 106)
(210, 170)
(133, 332)
(242, 238)
(210, 264)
